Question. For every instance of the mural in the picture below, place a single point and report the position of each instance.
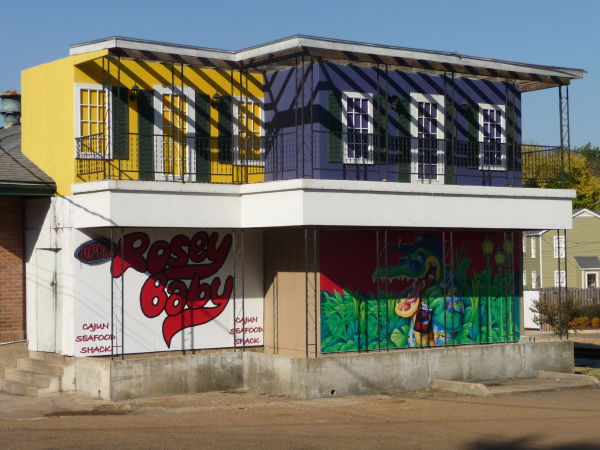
(423, 289)
(162, 289)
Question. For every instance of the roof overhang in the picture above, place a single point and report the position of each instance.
(285, 53)
(26, 190)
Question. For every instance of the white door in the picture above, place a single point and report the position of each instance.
(46, 289)
(174, 118)
(427, 132)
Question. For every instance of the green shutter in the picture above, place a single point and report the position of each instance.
(472, 118)
(146, 135)
(450, 137)
(120, 122)
(202, 137)
(225, 126)
(511, 137)
(404, 140)
(379, 130)
(334, 126)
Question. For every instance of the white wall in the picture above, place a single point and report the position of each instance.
(84, 292)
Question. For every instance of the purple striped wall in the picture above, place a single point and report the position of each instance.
(302, 151)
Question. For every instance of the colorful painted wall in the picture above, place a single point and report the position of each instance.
(161, 289)
(418, 288)
(285, 109)
(50, 110)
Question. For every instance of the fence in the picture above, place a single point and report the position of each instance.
(320, 155)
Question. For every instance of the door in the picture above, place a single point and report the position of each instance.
(427, 133)
(46, 289)
(174, 123)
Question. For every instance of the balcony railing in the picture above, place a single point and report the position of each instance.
(323, 155)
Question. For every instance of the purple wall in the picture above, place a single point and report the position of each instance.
(302, 151)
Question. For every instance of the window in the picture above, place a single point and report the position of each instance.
(248, 130)
(357, 127)
(427, 132)
(559, 278)
(534, 279)
(492, 139)
(524, 240)
(591, 280)
(524, 278)
(559, 246)
(533, 247)
(91, 122)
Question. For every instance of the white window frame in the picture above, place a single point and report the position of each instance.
(559, 241)
(361, 96)
(534, 280)
(502, 109)
(559, 278)
(415, 98)
(533, 247)
(236, 152)
(190, 94)
(524, 278)
(524, 243)
(108, 125)
(585, 274)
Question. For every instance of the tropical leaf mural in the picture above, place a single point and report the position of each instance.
(428, 298)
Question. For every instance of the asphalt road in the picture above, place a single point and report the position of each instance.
(429, 419)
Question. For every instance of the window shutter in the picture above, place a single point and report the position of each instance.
(202, 137)
(146, 135)
(511, 137)
(225, 127)
(334, 126)
(450, 128)
(404, 140)
(472, 118)
(379, 130)
(120, 122)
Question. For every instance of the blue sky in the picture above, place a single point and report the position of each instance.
(559, 33)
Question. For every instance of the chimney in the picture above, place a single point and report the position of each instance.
(10, 108)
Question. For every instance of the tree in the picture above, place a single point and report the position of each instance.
(579, 170)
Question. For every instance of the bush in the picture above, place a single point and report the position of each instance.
(561, 319)
(580, 322)
(590, 310)
(596, 322)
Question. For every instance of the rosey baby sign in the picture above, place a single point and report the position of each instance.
(169, 293)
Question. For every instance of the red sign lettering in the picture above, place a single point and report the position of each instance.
(186, 304)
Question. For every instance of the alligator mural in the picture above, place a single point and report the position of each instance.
(421, 297)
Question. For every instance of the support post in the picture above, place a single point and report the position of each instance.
(565, 129)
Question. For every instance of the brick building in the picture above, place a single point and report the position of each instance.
(20, 179)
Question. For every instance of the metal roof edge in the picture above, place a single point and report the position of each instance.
(300, 40)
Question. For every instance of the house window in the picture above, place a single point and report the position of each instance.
(559, 246)
(492, 150)
(534, 280)
(357, 126)
(524, 278)
(591, 280)
(559, 278)
(91, 122)
(427, 131)
(524, 241)
(533, 247)
(248, 132)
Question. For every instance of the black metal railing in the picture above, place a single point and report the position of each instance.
(324, 155)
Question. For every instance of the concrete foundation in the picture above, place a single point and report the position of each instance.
(339, 375)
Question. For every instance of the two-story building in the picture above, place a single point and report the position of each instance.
(304, 197)
(569, 259)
